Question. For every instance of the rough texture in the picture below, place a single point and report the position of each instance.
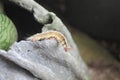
(41, 59)
(11, 71)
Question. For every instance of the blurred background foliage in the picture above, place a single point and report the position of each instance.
(94, 25)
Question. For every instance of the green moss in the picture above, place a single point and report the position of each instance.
(8, 32)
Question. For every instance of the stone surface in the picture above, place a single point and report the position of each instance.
(39, 60)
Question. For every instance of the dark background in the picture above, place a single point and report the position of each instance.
(99, 19)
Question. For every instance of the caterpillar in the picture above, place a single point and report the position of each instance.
(50, 34)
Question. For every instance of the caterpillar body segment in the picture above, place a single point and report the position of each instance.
(50, 34)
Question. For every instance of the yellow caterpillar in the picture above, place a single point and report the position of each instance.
(50, 34)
